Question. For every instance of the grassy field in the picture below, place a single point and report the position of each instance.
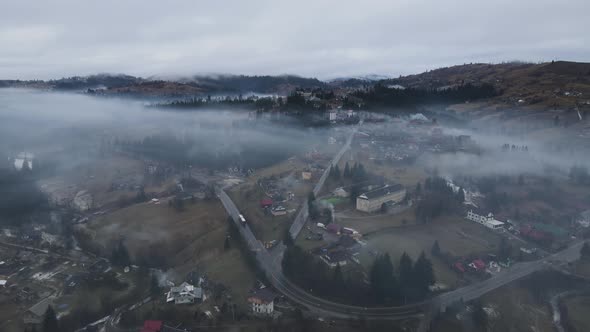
(370, 223)
(456, 236)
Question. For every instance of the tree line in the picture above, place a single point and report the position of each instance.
(410, 283)
(437, 199)
(381, 96)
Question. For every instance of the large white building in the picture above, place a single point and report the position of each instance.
(489, 221)
(262, 301)
(372, 201)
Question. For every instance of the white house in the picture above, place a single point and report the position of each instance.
(489, 221)
(584, 219)
(262, 301)
(185, 293)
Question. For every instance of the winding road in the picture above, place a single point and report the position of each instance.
(270, 263)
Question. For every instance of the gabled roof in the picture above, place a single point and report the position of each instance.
(40, 308)
(382, 191)
(152, 326)
(263, 295)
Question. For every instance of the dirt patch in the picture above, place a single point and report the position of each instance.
(577, 312)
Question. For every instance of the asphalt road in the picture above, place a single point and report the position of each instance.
(301, 217)
(270, 263)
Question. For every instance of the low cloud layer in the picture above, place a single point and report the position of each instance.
(314, 38)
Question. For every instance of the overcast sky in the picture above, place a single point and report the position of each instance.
(324, 39)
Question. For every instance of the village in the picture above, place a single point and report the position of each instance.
(103, 237)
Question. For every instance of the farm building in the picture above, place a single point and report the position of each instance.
(35, 314)
(372, 201)
(489, 221)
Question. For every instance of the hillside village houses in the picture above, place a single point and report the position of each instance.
(185, 293)
(372, 201)
(489, 221)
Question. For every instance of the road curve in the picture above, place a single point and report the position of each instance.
(321, 307)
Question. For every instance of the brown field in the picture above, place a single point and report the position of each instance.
(518, 310)
(189, 240)
(577, 309)
(148, 226)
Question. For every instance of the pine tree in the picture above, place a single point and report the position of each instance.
(585, 251)
(418, 188)
(337, 174)
(346, 173)
(406, 270)
(460, 195)
(423, 274)
(50, 323)
(435, 249)
(226, 244)
(154, 286)
(26, 167)
(480, 317)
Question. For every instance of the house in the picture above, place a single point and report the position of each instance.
(584, 219)
(278, 211)
(266, 202)
(262, 301)
(335, 258)
(478, 265)
(489, 221)
(306, 175)
(35, 314)
(152, 326)
(340, 192)
(373, 200)
(185, 293)
(332, 115)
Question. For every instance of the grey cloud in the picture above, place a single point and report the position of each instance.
(313, 38)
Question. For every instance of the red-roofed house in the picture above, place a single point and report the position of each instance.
(152, 326)
(478, 265)
(265, 202)
(459, 267)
